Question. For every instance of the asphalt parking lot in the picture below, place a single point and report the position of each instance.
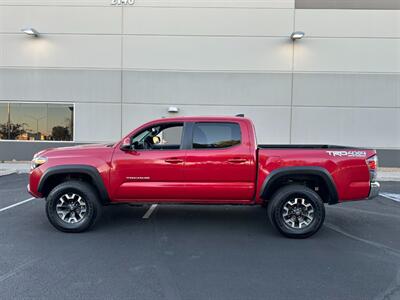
(198, 252)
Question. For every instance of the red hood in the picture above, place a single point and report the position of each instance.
(91, 150)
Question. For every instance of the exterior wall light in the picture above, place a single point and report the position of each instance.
(173, 109)
(297, 35)
(30, 31)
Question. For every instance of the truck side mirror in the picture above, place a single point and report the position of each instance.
(126, 144)
(135, 145)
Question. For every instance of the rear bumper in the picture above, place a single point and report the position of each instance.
(374, 190)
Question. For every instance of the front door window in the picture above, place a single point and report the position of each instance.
(160, 137)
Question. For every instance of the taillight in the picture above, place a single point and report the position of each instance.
(372, 164)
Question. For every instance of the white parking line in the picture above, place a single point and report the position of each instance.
(391, 196)
(16, 204)
(149, 211)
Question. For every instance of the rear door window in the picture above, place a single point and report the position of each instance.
(215, 135)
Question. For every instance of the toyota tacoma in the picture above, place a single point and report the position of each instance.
(202, 160)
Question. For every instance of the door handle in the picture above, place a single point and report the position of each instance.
(237, 160)
(173, 160)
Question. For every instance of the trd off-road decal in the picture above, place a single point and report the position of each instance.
(347, 153)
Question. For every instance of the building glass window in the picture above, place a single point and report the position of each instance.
(36, 121)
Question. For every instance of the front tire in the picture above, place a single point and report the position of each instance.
(296, 211)
(73, 206)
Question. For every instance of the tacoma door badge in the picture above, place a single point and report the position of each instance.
(138, 178)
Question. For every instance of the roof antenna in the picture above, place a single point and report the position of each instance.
(240, 115)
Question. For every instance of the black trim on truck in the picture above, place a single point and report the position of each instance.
(90, 171)
(274, 177)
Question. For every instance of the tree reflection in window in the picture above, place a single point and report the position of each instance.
(36, 121)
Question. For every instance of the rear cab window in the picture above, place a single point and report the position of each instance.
(215, 135)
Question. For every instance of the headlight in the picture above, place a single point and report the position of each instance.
(37, 161)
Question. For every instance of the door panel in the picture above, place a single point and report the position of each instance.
(148, 174)
(211, 175)
(153, 170)
(220, 191)
(224, 173)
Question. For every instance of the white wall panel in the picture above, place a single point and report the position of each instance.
(57, 2)
(96, 122)
(272, 123)
(219, 3)
(348, 55)
(60, 51)
(207, 53)
(53, 19)
(175, 3)
(60, 85)
(358, 90)
(348, 23)
(208, 21)
(217, 88)
(364, 127)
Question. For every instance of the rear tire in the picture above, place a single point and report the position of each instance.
(296, 211)
(73, 206)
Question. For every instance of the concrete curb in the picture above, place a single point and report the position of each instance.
(14, 168)
(7, 172)
(389, 178)
(389, 174)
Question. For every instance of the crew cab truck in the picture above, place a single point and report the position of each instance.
(202, 160)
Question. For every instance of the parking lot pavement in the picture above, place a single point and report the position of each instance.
(198, 252)
(13, 189)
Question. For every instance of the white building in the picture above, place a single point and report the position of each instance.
(98, 70)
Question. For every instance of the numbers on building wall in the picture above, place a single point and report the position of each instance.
(122, 2)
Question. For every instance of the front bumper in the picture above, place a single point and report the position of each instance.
(36, 195)
(374, 190)
(34, 178)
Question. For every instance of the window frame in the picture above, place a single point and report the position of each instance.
(190, 141)
(44, 102)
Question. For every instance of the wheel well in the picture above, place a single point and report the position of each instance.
(58, 174)
(56, 179)
(313, 181)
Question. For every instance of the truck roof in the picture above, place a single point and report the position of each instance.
(201, 118)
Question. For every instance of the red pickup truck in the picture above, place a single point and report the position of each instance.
(202, 160)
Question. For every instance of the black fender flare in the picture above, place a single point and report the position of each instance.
(319, 172)
(90, 171)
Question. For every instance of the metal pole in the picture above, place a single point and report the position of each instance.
(37, 123)
(8, 121)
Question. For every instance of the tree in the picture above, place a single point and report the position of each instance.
(60, 133)
(11, 131)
